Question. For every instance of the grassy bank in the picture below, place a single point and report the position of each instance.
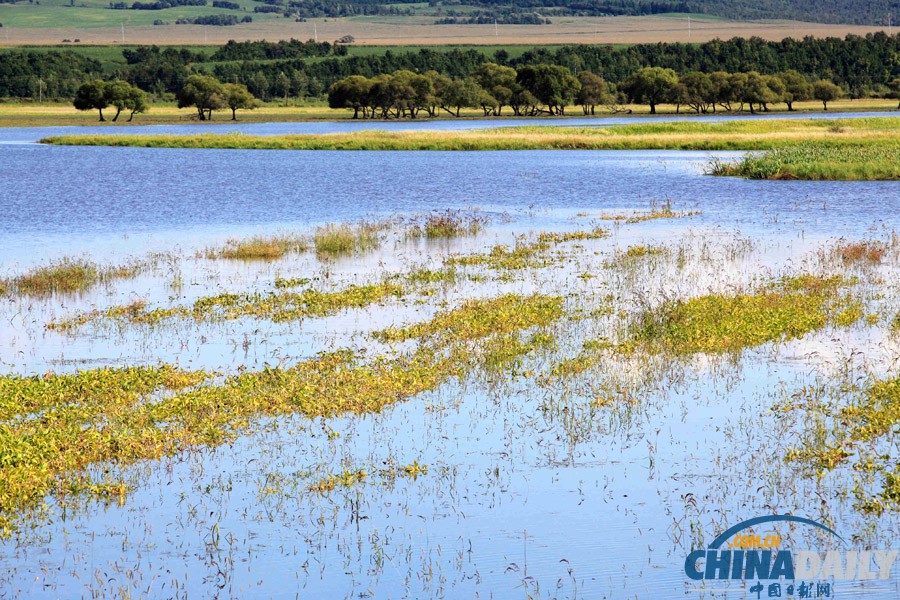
(52, 114)
(805, 148)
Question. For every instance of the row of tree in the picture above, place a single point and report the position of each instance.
(703, 92)
(100, 95)
(861, 65)
(549, 89)
(201, 92)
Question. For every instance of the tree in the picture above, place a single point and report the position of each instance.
(756, 90)
(720, 83)
(796, 88)
(498, 81)
(351, 92)
(117, 93)
(283, 85)
(699, 91)
(552, 85)
(594, 90)
(237, 96)
(136, 102)
(461, 93)
(894, 86)
(203, 92)
(91, 96)
(651, 85)
(825, 92)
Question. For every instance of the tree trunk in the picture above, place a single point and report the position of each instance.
(101, 114)
(118, 112)
(825, 104)
(131, 116)
(234, 114)
(653, 108)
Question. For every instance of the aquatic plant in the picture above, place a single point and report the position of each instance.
(560, 237)
(727, 323)
(480, 318)
(258, 248)
(278, 306)
(336, 240)
(521, 256)
(66, 276)
(448, 224)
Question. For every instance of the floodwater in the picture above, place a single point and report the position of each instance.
(532, 490)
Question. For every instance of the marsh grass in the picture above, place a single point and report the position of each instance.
(258, 248)
(598, 233)
(632, 255)
(844, 430)
(734, 135)
(862, 252)
(278, 306)
(719, 323)
(480, 318)
(67, 276)
(817, 161)
(657, 210)
(135, 414)
(338, 240)
(522, 255)
(448, 224)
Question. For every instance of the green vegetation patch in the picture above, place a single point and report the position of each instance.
(66, 276)
(718, 323)
(817, 161)
(258, 248)
(481, 318)
(337, 240)
(521, 256)
(54, 427)
(448, 224)
(857, 428)
(278, 306)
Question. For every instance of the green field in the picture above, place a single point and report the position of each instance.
(91, 13)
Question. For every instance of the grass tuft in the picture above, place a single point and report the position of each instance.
(258, 248)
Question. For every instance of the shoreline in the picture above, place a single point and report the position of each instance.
(22, 115)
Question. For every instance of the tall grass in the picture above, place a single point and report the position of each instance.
(66, 276)
(735, 135)
(258, 248)
(335, 240)
(814, 161)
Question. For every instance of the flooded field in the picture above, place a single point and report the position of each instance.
(410, 375)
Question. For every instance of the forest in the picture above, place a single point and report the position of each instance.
(861, 65)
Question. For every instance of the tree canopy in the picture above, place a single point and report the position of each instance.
(204, 93)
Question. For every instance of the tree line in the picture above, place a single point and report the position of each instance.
(861, 65)
(203, 93)
(549, 89)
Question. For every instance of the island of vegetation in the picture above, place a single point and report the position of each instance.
(818, 149)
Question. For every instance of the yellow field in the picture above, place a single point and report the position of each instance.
(422, 31)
